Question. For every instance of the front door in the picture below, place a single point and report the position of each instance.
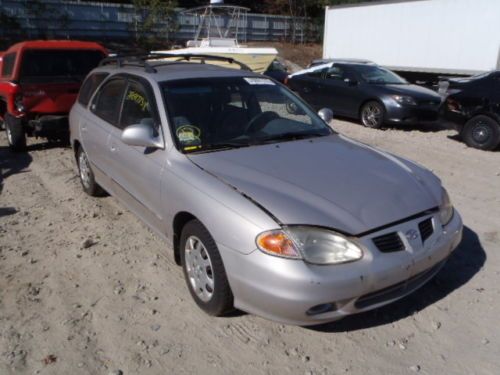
(137, 171)
(338, 91)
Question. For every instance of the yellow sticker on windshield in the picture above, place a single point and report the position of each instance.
(189, 135)
(191, 148)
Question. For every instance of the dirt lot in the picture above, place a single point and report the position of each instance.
(300, 54)
(85, 288)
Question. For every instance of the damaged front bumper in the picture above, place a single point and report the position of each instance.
(295, 292)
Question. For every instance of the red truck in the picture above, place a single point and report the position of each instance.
(39, 82)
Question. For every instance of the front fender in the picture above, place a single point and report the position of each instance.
(231, 219)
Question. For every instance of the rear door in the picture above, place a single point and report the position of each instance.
(137, 171)
(102, 117)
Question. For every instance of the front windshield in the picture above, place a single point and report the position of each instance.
(377, 75)
(220, 113)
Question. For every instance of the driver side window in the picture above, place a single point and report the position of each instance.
(136, 106)
(335, 72)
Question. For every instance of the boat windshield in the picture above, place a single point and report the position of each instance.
(215, 114)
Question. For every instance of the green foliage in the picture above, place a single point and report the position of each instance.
(154, 21)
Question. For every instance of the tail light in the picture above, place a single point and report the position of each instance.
(286, 81)
(18, 102)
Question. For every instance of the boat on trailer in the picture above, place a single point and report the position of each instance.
(214, 38)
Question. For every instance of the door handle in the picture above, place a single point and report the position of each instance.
(84, 128)
(113, 148)
(307, 89)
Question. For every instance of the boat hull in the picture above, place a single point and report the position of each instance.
(257, 59)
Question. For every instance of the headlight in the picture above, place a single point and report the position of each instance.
(403, 99)
(314, 245)
(445, 209)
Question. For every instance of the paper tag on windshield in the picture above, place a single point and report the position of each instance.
(259, 81)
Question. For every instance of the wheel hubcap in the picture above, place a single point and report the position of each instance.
(9, 134)
(199, 268)
(371, 115)
(481, 133)
(84, 166)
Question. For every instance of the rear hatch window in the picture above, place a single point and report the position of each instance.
(56, 66)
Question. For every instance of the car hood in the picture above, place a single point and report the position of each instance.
(415, 91)
(328, 181)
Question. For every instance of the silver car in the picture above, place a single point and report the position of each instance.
(265, 207)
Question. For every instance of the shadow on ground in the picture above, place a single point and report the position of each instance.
(12, 163)
(458, 138)
(464, 263)
(426, 127)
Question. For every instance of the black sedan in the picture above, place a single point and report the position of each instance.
(473, 105)
(365, 91)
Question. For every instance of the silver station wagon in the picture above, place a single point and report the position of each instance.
(266, 208)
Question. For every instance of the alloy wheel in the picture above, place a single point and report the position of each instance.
(199, 268)
(85, 172)
(372, 115)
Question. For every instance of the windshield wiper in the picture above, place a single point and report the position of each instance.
(221, 146)
(290, 137)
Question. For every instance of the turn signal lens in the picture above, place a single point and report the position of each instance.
(277, 243)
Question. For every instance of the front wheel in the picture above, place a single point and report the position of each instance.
(482, 132)
(204, 271)
(16, 136)
(372, 115)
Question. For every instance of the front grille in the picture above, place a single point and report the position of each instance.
(398, 290)
(389, 243)
(426, 229)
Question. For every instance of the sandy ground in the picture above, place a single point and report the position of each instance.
(300, 54)
(85, 288)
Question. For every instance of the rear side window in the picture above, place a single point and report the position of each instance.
(89, 86)
(8, 64)
(107, 101)
(41, 66)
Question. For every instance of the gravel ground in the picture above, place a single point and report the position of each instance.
(85, 288)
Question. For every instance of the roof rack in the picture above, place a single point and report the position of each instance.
(143, 60)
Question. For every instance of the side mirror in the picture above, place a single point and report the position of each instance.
(326, 115)
(141, 135)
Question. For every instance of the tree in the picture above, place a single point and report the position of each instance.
(154, 21)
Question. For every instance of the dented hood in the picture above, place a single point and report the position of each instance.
(327, 181)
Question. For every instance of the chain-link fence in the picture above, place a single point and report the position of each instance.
(103, 21)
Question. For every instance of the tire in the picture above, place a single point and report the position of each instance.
(87, 178)
(204, 271)
(16, 136)
(481, 132)
(372, 115)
